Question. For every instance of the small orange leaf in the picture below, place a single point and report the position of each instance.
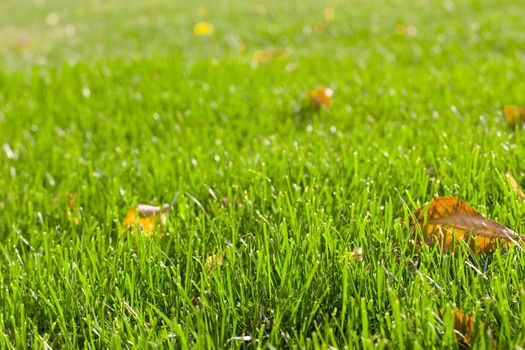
(515, 186)
(147, 217)
(463, 326)
(268, 55)
(448, 220)
(203, 29)
(320, 97)
(514, 114)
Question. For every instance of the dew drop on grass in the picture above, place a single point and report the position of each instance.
(9, 152)
(50, 179)
(86, 92)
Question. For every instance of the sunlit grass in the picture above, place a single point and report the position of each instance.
(133, 108)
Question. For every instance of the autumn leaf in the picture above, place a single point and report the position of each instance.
(203, 29)
(514, 114)
(515, 186)
(448, 221)
(320, 97)
(147, 217)
(463, 326)
(268, 55)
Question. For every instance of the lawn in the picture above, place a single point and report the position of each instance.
(108, 104)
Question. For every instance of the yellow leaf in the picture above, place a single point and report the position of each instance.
(203, 29)
(320, 97)
(268, 55)
(463, 326)
(147, 217)
(514, 114)
(448, 221)
(515, 186)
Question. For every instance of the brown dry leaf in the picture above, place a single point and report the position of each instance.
(448, 220)
(320, 97)
(515, 186)
(268, 55)
(147, 217)
(463, 326)
(514, 114)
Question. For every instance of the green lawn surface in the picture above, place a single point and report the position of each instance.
(118, 103)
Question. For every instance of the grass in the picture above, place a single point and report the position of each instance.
(130, 107)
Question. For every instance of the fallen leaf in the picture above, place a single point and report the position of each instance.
(268, 55)
(514, 114)
(147, 217)
(320, 97)
(203, 29)
(448, 220)
(463, 326)
(515, 186)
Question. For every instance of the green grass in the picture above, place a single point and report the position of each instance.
(131, 108)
